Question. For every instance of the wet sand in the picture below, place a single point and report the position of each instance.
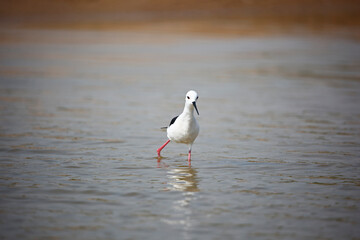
(81, 109)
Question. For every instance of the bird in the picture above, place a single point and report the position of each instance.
(184, 128)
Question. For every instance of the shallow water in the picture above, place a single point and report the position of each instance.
(277, 156)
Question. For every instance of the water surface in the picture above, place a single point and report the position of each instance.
(277, 156)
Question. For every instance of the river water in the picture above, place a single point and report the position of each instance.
(277, 157)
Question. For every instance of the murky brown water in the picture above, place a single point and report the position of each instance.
(277, 156)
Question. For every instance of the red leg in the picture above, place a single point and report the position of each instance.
(161, 148)
(189, 157)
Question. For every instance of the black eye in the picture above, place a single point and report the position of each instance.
(197, 98)
(188, 97)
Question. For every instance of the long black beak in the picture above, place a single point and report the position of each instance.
(194, 103)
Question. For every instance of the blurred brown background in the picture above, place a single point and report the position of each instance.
(228, 16)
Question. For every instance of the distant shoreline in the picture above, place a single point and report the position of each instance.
(203, 17)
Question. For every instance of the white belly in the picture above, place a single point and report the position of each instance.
(184, 130)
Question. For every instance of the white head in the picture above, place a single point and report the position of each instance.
(191, 98)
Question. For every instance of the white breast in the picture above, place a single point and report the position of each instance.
(184, 130)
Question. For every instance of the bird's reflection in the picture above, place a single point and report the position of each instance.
(183, 178)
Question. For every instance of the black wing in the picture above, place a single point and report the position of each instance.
(172, 120)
